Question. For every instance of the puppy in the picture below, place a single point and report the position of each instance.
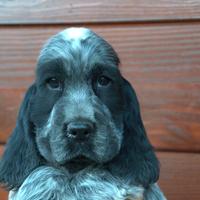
(79, 133)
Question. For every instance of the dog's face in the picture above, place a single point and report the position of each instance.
(78, 106)
(79, 110)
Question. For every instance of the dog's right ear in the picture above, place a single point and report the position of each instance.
(20, 156)
(136, 160)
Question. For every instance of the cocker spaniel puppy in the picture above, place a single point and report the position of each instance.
(79, 134)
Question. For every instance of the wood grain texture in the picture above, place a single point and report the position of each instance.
(161, 61)
(9, 105)
(78, 11)
(3, 193)
(179, 176)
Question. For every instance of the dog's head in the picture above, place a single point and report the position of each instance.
(79, 110)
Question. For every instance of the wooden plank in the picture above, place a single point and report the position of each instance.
(161, 61)
(78, 11)
(3, 193)
(1, 149)
(10, 101)
(179, 176)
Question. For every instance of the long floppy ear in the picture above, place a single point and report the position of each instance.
(20, 156)
(136, 161)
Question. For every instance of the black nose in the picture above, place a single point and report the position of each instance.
(79, 130)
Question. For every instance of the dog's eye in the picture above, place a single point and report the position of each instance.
(103, 81)
(54, 83)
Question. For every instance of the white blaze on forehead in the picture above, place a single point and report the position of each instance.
(75, 33)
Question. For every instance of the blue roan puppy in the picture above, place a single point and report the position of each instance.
(79, 133)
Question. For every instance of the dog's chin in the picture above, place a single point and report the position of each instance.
(79, 163)
(81, 160)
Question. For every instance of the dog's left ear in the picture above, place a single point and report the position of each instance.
(136, 160)
(20, 156)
